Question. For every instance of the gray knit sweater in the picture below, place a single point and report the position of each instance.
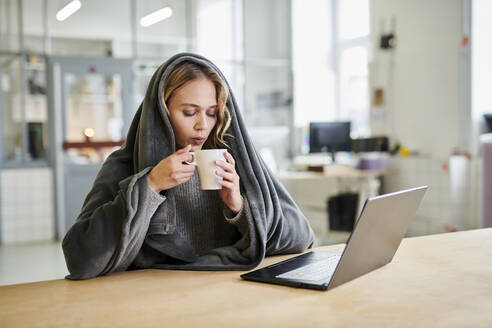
(204, 221)
(204, 224)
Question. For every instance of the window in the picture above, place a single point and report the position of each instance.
(353, 18)
(353, 86)
(331, 74)
(215, 26)
(249, 42)
(352, 52)
(313, 67)
(218, 38)
(481, 68)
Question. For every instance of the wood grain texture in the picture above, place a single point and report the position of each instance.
(441, 280)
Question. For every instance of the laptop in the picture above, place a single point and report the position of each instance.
(373, 242)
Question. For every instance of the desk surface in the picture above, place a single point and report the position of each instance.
(439, 280)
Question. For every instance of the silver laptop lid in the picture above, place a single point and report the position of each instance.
(382, 224)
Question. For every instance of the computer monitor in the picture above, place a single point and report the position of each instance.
(329, 137)
(488, 120)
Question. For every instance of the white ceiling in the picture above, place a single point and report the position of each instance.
(107, 19)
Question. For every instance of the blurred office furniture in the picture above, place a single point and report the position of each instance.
(486, 141)
(342, 211)
(371, 144)
(332, 137)
(372, 152)
(420, 287)
(317, 179)
(488, 120)
(35, 137)
(310, 190)
(459, 187)
(90, 147)
(339, 171)
(330, 171)
(373, 161)
(329, 137)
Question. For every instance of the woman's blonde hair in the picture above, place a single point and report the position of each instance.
(188, 71)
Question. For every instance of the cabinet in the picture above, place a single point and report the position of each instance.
(24, 109)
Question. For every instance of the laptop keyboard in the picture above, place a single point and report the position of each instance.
(321, 270)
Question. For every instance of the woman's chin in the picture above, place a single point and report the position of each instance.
(196, 147)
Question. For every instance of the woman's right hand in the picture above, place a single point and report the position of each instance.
(171, 171)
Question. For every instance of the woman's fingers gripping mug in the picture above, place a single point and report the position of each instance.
(193, 159)
(205, 161)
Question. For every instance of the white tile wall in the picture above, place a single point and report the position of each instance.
(27, 205)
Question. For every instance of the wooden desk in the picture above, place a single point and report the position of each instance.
(335, 171)
(441, 280)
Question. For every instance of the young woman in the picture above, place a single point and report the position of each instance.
(146, 208)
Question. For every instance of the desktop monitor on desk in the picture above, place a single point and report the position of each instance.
(329, 137)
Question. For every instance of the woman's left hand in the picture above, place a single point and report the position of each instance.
(230, 192)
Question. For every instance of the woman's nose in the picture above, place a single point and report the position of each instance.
(201, 123)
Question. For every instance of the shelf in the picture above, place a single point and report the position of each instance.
(35, 67)
(36, 108)
(94, 98)
(92, 144)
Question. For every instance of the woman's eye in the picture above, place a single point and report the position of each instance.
(186, 113)
(211, 114)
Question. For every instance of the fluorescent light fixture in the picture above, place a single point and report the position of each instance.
(156, 16)
(68, 10)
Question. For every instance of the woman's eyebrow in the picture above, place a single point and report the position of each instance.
(190, 105)
(196, 106)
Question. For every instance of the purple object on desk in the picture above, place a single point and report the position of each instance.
(373, 161)
(486, 141)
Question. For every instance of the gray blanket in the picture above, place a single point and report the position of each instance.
(120, 215)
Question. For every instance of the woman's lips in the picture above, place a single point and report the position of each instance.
(198, 141)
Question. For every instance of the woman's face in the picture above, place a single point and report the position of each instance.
(193, 112)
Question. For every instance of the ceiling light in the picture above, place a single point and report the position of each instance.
(68, 10)
(156, 16)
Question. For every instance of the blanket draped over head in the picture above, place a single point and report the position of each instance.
(114, 224)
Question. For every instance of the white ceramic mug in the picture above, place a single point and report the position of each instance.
(205, 159)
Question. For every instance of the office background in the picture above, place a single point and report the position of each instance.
(417, 72)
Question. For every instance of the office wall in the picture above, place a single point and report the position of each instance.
(420, 77)
(424, 84)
